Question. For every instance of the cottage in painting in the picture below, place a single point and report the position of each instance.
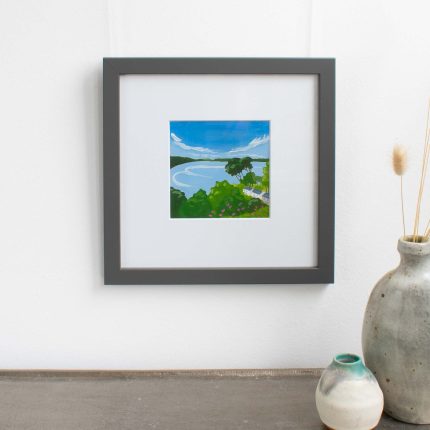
(257, 194)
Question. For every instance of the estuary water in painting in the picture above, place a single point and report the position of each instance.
(196, 175)
(219, 169)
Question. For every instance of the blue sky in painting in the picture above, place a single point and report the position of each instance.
(220, 139)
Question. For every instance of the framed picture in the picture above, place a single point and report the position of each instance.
(218, 170)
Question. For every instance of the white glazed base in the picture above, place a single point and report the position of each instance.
(352, 405)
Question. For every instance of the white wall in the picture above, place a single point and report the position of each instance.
(55, 311)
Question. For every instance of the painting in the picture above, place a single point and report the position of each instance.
(219, 169)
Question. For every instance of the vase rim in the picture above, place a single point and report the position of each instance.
(406, 246)
(347, 359)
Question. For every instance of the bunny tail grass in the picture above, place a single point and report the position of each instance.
(400, 162)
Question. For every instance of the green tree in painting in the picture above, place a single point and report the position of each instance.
(234, 168)
(249, 179)
(265, 182)
(197, 206)
(177, 199)
(246, 163)
(258, 179)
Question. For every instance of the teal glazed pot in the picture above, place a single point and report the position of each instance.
(396, 334)
(348, 396)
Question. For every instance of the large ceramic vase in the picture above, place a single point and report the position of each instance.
(348, 396)
(396, 334)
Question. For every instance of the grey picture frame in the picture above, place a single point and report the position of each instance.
(323, 273)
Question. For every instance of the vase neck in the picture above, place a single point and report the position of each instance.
(414, 254)
(418, 262)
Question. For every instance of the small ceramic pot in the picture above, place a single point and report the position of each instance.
(348, 396)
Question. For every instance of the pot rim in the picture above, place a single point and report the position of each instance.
(406, 246)
(347, 359)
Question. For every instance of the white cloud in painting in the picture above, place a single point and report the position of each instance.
(178, 141)
(175, 138)
(251, 145)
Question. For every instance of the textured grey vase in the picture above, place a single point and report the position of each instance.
(396, 334)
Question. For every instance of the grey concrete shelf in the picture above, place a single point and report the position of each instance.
(174, 400)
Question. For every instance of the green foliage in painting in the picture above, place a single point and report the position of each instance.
(254, 204)
(266, 177)
(175, 160)
(177, 199)
(249, 179)
(236, 166)
(262, 212)
(246, 163)
(197, 206)
(227, 200)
